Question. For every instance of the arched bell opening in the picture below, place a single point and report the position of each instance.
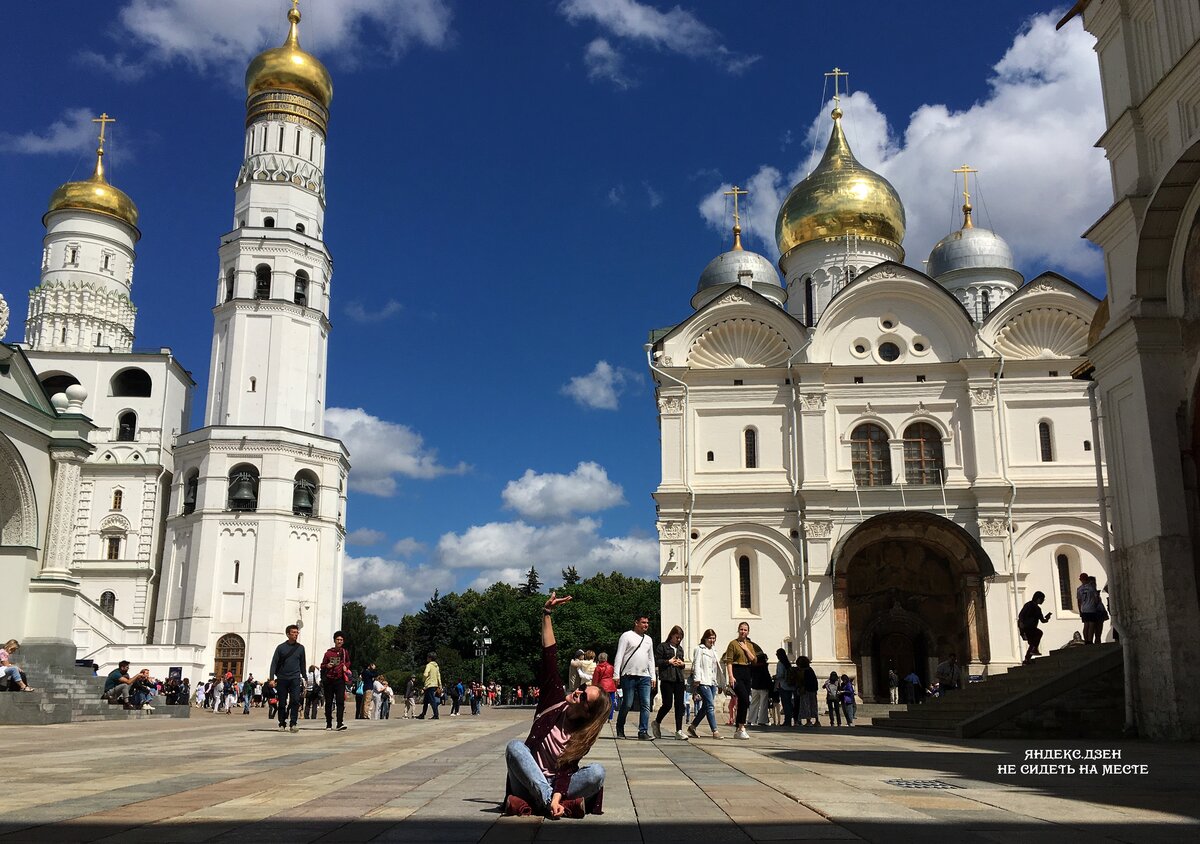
(243, 487)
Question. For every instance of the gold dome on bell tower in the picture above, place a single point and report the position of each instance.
(839, 197)
(95, 194)
(290, 68)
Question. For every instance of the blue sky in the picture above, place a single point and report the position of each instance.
(517, 194)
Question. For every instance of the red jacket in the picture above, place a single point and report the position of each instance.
(336, 658)
(603, 677)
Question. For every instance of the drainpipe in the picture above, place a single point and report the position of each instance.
(806, 640)
(1012, 497)
(687, 530)
(1113, 592)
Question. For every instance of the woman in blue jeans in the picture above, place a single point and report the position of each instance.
(849, 707)
(706, 667)
(543, 771)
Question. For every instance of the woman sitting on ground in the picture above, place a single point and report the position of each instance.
(8, 669)
(543, 771)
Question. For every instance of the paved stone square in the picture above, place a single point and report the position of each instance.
(235, 778)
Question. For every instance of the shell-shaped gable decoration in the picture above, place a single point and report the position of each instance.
(739, 344)
(1043, 333)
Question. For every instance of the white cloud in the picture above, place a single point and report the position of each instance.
(601, 388)
(74, 132)
(603, 61)
(616, 195)
(222, 35)
(652, 196)
(365, 536)
(407, 546)
(675, 31)
(359, 313)
(500, 546)
(556, 496)
(1032, 138)
(380, 450)
(380, 585)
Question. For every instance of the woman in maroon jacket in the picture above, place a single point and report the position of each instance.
(543, 770)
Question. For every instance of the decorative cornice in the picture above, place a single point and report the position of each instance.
(670, 530)
(813, 401)
(670, 404)
(818, 528)
(983, 396)
(993, 528)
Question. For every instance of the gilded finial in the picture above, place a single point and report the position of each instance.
(735, 192)
(966, 171)
(103, 120)
(837, 73)
(293, 15)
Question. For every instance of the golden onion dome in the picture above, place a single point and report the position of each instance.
(839, 197)
(95, 195)
(289, 68)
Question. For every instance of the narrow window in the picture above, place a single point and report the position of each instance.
(262, 282)
(312, 141)
(297, 142)
(985, 304)
(710, 457)
(127, 426)
(301, 294)
(1045, 442)
(108, 603)
(751, 437)
(105, 261)
(300, 580)
(1065, 592)
(253, 384)
(237, 570)
(280, 139)
(113, 548)
(64, 335)
(118, 498)
(808, 301)
(99, 339)
(269, 222)
(73, 255)
(1087, 445)
(923, 458)
(870, 457)
(744, 582)
(230, 277)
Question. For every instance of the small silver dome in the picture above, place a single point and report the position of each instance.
(969, 248)
(737, 266)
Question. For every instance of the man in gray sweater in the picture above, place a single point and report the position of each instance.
(287, 667)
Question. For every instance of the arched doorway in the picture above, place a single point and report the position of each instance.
(907, 591)
(231, 656)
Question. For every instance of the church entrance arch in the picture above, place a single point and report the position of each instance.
(18, 516)
(907, 591)
(231, 656)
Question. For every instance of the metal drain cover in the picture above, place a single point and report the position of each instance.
(921, 784)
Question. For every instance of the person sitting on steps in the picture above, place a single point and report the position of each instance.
(11, 671)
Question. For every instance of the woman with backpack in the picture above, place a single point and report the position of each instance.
(785, 677)
(833, 699)
(849, 706)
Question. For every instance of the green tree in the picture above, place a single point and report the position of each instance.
(570, 576)
(533, 583)
(364, 637)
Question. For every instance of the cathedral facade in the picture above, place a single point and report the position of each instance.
(142, 538)
(871, 464)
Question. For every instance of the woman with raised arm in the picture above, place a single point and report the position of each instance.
(543, 771)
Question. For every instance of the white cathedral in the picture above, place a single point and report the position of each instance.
(125, 534)
(876, 465)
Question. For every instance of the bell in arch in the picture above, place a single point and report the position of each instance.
(302, 498)
(189, 495)
(242, 492)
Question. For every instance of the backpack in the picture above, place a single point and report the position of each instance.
(795, 677)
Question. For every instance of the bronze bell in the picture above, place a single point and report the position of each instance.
(189, 495)
(302, 498)
(242, 494)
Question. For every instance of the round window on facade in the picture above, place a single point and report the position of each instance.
(861, 349)
(889, 351)
(887, 323)
(918, 347)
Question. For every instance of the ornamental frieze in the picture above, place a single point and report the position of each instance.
(993, 527)
(818, 528)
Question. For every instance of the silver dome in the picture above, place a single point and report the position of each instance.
(969, 248)
(732, 267)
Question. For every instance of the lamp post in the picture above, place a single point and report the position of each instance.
(483, 641)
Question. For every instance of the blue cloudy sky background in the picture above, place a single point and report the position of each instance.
(517, 194)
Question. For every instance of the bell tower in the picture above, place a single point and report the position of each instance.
(255, 541)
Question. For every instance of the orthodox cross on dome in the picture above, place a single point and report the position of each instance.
(837, 73)
(966, 171)
(103, 120)
(735, 192)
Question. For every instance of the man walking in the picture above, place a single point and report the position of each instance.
(248, 688)
(287, 667)
(635, 667)
(368, 676)
(312, 692)
(432, 682)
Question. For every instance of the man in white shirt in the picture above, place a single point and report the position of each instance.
(635, 669)
(312, 692)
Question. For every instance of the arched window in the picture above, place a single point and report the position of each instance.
(301, 297)
(55, 384)
(750, 436)
(1045, 442)
(127, 427)
(269, 222)
(231, 655)
(711, 457)
(808, 300)
(869, 456)
(745, 595)
(985, 304)
(300, 580)
(262, 282)
(923, 454)
(230, 278)
(1066, 594)
(191, 486)
(243, 488)
(304, 493)
(132, 382)
(237, 570)
(300, 227)
(108, 603)
(118, 499)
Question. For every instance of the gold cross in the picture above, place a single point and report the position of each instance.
(837, 73)
(735, 192)
(103, 120)
(295, 5)
(966, 171)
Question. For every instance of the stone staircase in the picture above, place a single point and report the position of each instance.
(1075, 692)
(66, 694)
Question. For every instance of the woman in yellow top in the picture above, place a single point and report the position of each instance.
(738, 658)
